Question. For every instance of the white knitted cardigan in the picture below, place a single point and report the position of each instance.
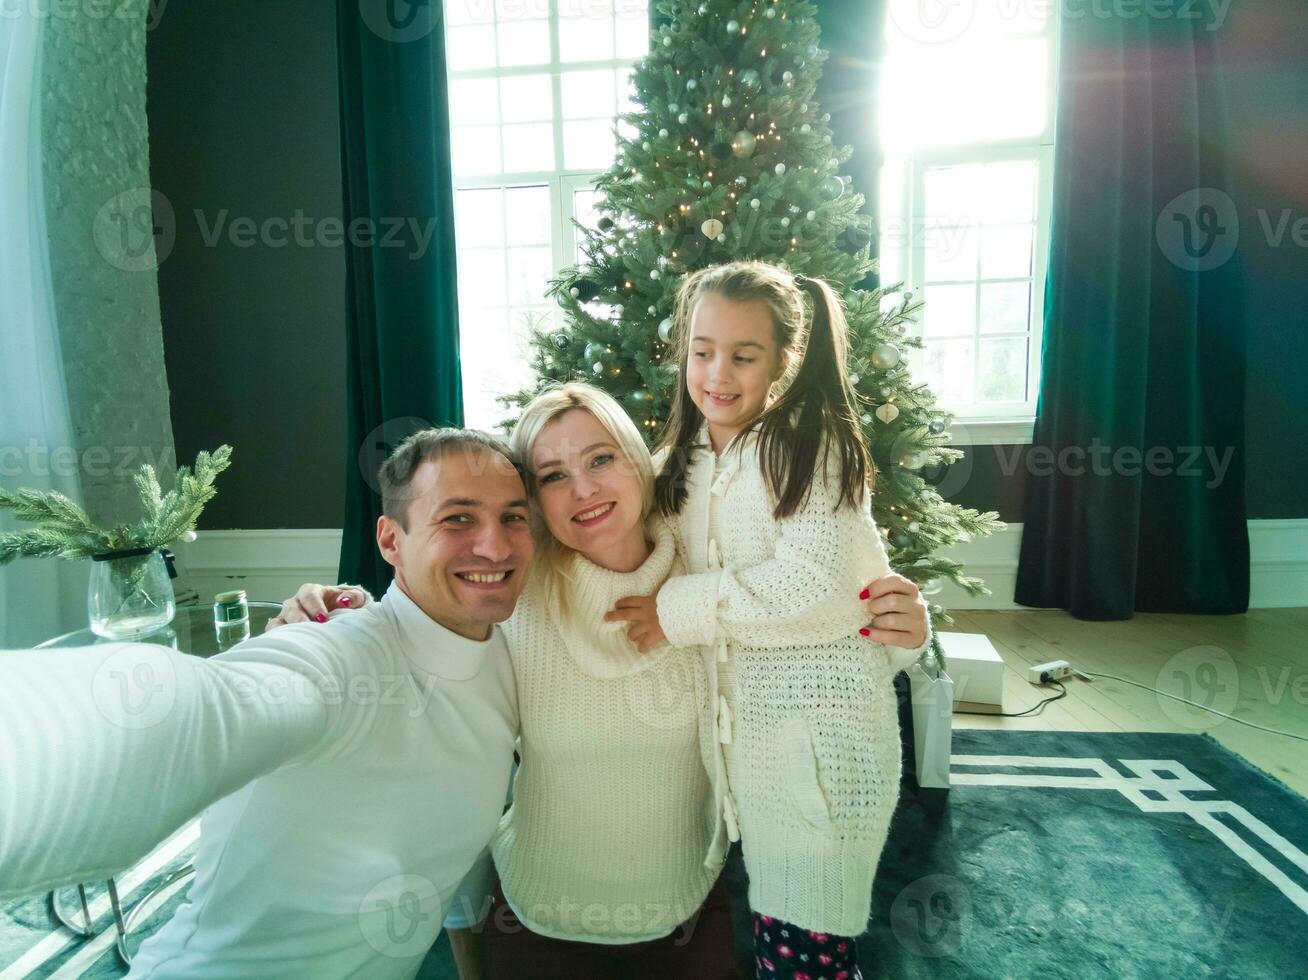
(608, 839)
(805, 704)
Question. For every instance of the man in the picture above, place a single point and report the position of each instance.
(351, 772)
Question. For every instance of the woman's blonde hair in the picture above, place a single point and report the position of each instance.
(544, 409)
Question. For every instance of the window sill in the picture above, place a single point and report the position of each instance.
(991, 432)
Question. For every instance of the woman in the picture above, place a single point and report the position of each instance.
(610, 854)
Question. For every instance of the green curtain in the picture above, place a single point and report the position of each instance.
(853, 34)
(1144, 335)
(402, 305)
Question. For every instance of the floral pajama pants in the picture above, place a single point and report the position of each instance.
(786, 952)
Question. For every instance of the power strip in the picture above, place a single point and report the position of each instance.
(1055, 670)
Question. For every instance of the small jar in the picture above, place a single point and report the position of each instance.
(231, 618)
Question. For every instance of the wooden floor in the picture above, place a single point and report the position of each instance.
(1253, 666)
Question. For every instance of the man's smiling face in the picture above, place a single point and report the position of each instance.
(465, 548)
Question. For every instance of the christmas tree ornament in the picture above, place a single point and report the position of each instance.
(811, 216)
(785, 222)
(639, 398)
(900, 539)
(770, 13)
(806, 129)
(604, 224)
(726, 101)
(887, 413)
(711, 228)
(597, 367)
(673, 107)
(885, 356)
(560, 341)
(584, 290)
(787, 77)
(779, 169)
(733, 27)
(692, 85)
(594, 351)
(749, 78)
(854, 379)
(743, 144)
(683, 118)
(834, 185)
(755, 204)
(652, 309)
(663, 134)
(654, 273)
(741, 181)
(936, 427)
(665, 328)
(667, 42)
(646, 146)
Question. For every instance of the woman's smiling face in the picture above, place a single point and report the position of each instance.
(590, 494)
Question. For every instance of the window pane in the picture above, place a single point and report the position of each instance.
(524, 43)
(470, 47)
(949, 311)
(529, 273)
(585, 38)
(633, 29)
(481, 277)
(484, 336)
(473, 101)
(1006, 252)
(626, 91)
(528, 147)
(952, 194)
(1010, 192)
(587, 94)
(528, 211)
(1005, 307)
(1003, 371)
(950, 254)
(476, 149)
(588, 145)
(480, 217)
(949, 366)
(527, 98)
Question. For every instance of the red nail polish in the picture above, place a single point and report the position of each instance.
(320, 618)
(345, 600)
(864, 631)
(865, 593)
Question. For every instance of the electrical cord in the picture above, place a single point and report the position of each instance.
(1203, 707)
(1018, 714)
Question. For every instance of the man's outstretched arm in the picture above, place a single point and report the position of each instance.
(105, 750)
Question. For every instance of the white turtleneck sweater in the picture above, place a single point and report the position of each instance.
(352, 774)
(609, 839)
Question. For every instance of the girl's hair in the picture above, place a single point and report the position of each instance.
(815, 413)
(545, 408)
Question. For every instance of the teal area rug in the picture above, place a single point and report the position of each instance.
(1055, 854)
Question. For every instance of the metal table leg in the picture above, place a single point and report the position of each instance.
(143, 908)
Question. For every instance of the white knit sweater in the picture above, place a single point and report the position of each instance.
(806, 712)
(608, 839)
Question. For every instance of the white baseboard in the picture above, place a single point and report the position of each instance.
(272, 564)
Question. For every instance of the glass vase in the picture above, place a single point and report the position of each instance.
(130, 594)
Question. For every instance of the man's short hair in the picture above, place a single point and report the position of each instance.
(396, 474)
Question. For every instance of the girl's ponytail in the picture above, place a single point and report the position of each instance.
(816, 414)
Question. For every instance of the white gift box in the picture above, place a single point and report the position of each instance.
(977, 671)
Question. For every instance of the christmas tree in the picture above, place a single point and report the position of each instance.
(730, 157)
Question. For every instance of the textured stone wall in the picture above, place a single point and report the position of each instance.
(102, 247)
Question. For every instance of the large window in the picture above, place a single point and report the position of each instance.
(967, 127)
(535, 86)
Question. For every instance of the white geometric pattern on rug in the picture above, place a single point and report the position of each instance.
(1148, 778)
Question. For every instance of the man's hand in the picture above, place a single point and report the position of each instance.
(642, 612)
(897, 613)
(312, 603)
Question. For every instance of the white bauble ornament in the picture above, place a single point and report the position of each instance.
(673, 107)
(811, 216)
(645, 146)
(683, 118)
(663, 134)
(654, 273)
(665, 330)
(885, 356)
(854, 379)
(755, 204)
(806, 129)
(711, 228)
(733, 27)
(744, 143)
(652, 310)
(726, 102)
(787, 77)
(692, 85)
(887, 413)
(780, 169)
(597, 367)
(769, 13)
(785, 222)
(574, 292)
(667, 42)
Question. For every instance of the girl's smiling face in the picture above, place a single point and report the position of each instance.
(732, 361)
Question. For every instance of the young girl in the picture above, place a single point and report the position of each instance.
(771, 499)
